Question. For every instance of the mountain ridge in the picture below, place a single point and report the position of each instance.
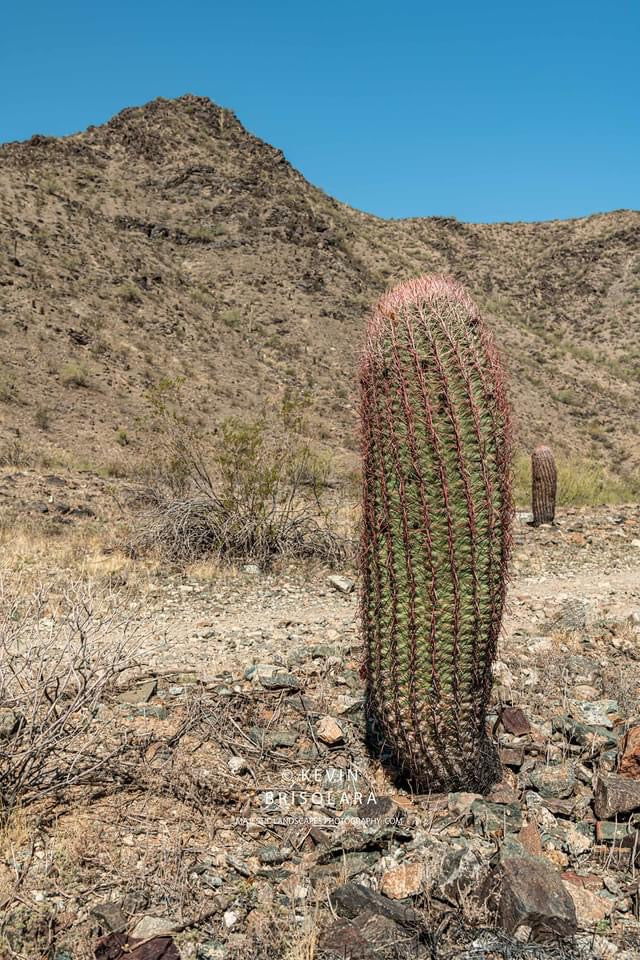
(171, 242)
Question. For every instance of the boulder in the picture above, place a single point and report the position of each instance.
(533, 895)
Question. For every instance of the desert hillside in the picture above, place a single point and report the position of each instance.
(170, 242)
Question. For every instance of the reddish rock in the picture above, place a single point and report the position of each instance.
(514, 721)
(503, 792)
(590, 908)
(512, 756)
(329, 731)
(630, 760)
(588, 880)
(529, 837)
(402, 881)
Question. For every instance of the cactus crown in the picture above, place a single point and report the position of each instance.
(436, 529)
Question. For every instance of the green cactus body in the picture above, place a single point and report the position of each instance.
(436, 526)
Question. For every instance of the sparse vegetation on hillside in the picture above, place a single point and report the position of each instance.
(171, 239)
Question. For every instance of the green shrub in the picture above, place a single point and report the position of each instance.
(75, 375)
(238, 493)
(129, 292)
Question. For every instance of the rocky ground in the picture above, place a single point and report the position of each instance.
(253, 822)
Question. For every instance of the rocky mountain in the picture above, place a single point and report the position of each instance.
(170, 242)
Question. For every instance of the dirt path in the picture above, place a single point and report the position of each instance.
(250, 618)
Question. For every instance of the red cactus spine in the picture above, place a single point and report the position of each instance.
(544, 482)
(436, 527)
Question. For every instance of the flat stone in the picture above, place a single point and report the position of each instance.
(554, 780)
(342, 584)
(590, 908)
(280, 681)
(529, 837)
(496, 819)
(139, 694)
(512, 756)
(533, 895)
(329, 731)
(460, 803)
(110, 916)
(514, 721)
(597, 738)
(402, 881)
(615, 795)
(630, 759)
(153, 927)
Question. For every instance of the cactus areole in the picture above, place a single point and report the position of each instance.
(437, 512)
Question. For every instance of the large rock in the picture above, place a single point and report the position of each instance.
(352, 899)
(554, 780)
(369, 937)
(533, 895)
(615, 795)
(590, 908)
(464, 878)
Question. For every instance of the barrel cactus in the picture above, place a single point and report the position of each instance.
(437, 512)
(544, 481)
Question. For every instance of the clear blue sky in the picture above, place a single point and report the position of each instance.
(485, 111)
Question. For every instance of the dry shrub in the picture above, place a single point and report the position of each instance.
(240, 494)
(56, 668)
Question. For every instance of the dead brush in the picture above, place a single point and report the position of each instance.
(56, 669)
(237, 495)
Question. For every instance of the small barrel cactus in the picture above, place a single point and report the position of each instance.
(544, 481)
(436, 532)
